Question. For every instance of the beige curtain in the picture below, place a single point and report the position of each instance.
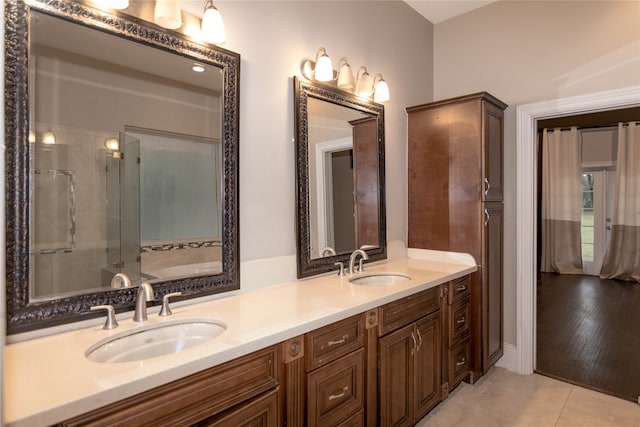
(622, 259)
(561, 202)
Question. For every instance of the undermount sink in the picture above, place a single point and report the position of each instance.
(379, 279)
(155, 340)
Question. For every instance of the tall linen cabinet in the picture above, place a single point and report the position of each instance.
(456, 202)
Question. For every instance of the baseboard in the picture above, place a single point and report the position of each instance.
(509, 359)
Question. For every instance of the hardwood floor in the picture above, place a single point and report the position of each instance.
(588, 332)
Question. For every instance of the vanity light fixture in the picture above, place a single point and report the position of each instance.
(345, 75)
(112, 144)
(113, 4)
(48, 138)
(364, 82)
(32, 136)
(212, 29)
(198, 68)
(167, 14)
(380, 89)
(364, 86)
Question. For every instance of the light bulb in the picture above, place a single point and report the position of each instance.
(48, 138)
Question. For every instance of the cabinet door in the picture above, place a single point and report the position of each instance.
(395, 379)
(427, 360)
(492, 286)
(492, 156)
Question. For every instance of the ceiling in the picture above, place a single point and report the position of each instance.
(440, 10)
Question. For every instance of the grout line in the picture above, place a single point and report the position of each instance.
(564, 405)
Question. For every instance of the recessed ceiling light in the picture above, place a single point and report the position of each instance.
(198, 68)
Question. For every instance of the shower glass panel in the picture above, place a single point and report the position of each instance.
(130, 207)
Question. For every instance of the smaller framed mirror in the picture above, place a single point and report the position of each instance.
(340, 188)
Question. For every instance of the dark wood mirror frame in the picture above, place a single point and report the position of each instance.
(24, 315)
(306, 265)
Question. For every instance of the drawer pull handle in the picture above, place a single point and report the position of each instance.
(461, 321)
(461, 288)
(340, 341)
(461, 362)
(340, 394)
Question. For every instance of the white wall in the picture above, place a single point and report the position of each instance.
(273, 39)
(529, 51)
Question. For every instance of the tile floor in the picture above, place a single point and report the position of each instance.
(503, 398)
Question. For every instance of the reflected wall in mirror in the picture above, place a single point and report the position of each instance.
(120, 158)
(340, 177)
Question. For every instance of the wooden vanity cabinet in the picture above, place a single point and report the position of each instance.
(241, 392)
(409, 358)
(455, 201)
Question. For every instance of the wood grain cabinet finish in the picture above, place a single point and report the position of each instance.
(259, 412)
(455, 168)
(197, 398)
(458, 314)
(335, 361)
(410, 356)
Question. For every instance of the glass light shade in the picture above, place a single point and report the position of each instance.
(167, 14)
(381, 93)
(324, 69)
(345, 77)
(212, 29)
(113, 4)
(112, 144)
(364, 84)
(32, 136)
(48, 138)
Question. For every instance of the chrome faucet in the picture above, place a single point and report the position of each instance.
(145, 294)
(121, 280)
(327, 251)
(352, 260)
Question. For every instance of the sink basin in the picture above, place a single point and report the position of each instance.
(155, 340)
(379, 279)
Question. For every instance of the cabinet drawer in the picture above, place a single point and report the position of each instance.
(261, 411)
(459, 289)
(336, 391)
(406, 310)
(331, 342)
(459, 320)
(356, 420)
(459, 362)
(194, 398)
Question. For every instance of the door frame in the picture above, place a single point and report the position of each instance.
(527, 116)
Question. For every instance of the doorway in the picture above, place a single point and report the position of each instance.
(527, 116)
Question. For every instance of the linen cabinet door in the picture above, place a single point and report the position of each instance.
(492, 286)
(395, 381)
(427, 365)
(492, 156)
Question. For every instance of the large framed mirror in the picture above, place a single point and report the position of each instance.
(122, 157)
(340, 177)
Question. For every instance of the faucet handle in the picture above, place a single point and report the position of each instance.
(110, 322)
(340, 269)
(166, 310)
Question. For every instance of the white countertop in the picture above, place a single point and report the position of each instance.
(48, 379)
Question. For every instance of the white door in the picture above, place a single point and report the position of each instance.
(597, 210)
